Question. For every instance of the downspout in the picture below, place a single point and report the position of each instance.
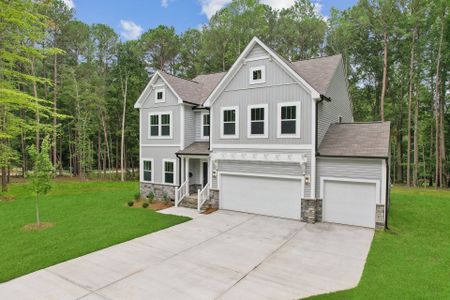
(179, 169)
(388, 195)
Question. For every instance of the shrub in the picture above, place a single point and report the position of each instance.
(137, 196)
(145, 205)
(151, 197)
(166, 199)
(130, 203)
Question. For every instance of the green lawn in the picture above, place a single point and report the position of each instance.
(412, 260)
(87, 216)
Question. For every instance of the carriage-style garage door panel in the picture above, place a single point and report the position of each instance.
(351, 203)
(261, 195)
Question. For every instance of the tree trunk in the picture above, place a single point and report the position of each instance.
(23, 145)
(38, 219)
(122, 140)
(410, 91)
(443, 179)
(384, 85)
(416, 141)
(55, 96)
(37, 117)
(107, 152)
(4, 180)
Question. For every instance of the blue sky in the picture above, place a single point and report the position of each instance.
(132, 17)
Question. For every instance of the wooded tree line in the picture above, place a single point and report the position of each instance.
(77, 83)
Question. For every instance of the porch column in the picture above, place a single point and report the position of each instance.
(187, 174)
(182, 170)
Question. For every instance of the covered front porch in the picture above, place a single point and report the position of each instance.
(194, 175)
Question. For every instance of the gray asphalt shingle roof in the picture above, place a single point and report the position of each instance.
(356, 140)
(196, 148)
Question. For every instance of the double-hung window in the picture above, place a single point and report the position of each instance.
(205, 125)
(160, 125)
(257, 75)
(289, 120)
(160, 95)
(230, 122)
(147, 170)
(168, 171)
(257, 121)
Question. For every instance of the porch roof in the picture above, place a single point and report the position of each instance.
(196, 148)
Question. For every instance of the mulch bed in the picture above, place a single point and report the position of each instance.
(36, 227)
(209, 211)
(156, 205)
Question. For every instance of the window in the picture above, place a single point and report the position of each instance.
(289, 119)
(168, 171)
(160, 125)
(257, 75)
(257, 121)
(205, 125)
(340, 119)
(147, 170)
(160, 95)
(230, 122)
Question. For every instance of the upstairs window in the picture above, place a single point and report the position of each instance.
(147, 170)
(230, 122)
(257, 75)
(168, 171)
(160, 125)
(160, 95)
(257, 121)
(289, 119)
(205, 125)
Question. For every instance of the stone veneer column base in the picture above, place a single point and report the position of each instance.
(159, 189)
(379, 216)
(311, 210)
(214, 198)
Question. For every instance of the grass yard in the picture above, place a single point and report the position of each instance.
(87, 216)
(412, 260)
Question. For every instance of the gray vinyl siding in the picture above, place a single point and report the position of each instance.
(279, 87)
(189, 125)
(198, 125)
(158, 154)
(257, 51)
(355, 168)
(340, 105)
(260, 167)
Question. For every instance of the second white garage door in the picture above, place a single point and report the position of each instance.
(261, 195)
(351, 203)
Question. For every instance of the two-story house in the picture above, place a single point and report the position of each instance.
(269, 137)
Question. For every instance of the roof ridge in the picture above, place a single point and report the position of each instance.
(368, 122)
(313, 58)
(210, 73)
(189, 80)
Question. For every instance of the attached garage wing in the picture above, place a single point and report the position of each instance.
(278, 197)
(351, 202)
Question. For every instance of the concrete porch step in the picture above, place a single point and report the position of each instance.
(191, 202)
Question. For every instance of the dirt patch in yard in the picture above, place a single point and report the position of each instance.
(7, 198)
(36, 227)
(155, 205)
(209, 211)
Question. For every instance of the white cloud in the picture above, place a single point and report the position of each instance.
(130, 30)
(69, 3)
(210, 7)
(278, 4)
(164, 3)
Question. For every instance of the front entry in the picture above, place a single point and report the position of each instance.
(204, 173)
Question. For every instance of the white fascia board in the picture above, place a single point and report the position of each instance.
(150, 85)
(260, 156)
(212, 97)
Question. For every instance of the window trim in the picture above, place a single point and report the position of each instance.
(159, 136)
(236, 122)
(297, 124)
(163, 173)
(157, 90)
(202, 114)
(249, 121)
(142, 170)
(263, 75)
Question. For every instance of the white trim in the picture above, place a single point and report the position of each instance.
(256, 58)
(160, 137)
(202, 161)
(161, 145)
(236, 122)
(266, 121)
(344, 179)
(202, 114)
(213, 96)
(141, 173)
(263, 146)
(301, 178)
(313, 151)
(260, 156)
(383, 181)
(163, 173)
(148, 88)
(263, 75)
(182, 138)
(159, 90)
(297, 105)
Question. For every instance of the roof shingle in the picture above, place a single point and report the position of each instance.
(356, 140)
(196, 148)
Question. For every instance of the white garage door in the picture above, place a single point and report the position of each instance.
(351, 203)
(261, 195)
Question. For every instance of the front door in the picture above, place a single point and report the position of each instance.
(205, 173)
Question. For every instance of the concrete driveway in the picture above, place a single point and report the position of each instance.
(225, 255)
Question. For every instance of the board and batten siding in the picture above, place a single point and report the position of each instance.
(263, 168)
(189, 124)
(340, 104)
(198, 125)
(158, 154)
(352, 168)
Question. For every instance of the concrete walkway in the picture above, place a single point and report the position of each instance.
(225, 255)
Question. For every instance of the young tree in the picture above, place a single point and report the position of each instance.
(42, 173)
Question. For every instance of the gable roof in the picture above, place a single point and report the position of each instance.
(356, 140)
(196, 148)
